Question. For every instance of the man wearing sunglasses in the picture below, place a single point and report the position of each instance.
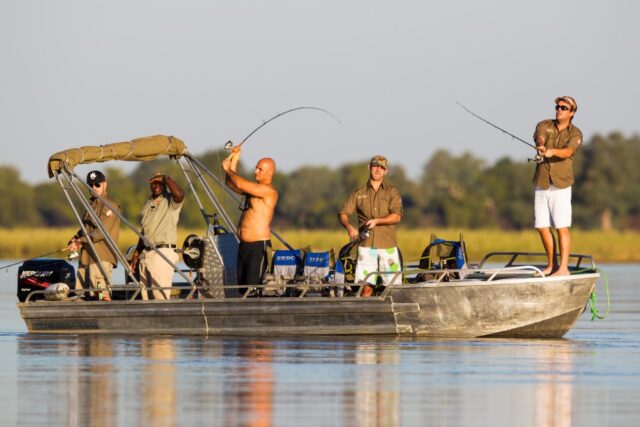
(90, 275)
(557, 142)
(159, 224)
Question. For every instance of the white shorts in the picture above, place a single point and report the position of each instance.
(372, 259)
(553, 207)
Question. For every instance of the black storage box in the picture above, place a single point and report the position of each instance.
(37, 274)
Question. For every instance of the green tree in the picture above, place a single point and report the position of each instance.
(52, 205)
(606, 190)
(450, 191)
(308, 198)
(18, 208)
(509, 193)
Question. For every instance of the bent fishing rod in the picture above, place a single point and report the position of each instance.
(229, 145)
(538, 158)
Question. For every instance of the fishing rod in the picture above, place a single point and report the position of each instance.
(538, 158)
(38, 256)
(229, 145)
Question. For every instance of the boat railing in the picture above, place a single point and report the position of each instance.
(476, 273)
(578, 261)
(303, 289)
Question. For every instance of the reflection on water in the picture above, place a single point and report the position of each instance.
(590, 378)
(166, 381)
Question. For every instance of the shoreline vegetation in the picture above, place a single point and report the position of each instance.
(604, 246)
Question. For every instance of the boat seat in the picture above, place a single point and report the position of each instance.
(285, 269)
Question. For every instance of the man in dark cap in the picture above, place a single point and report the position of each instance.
(379, 208)
(94, 268)
(159, 224)
(557, 142)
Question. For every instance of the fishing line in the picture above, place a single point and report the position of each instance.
(29, 259)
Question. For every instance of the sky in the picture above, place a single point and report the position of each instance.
(87, 72)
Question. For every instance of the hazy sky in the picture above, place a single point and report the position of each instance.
(91, 72)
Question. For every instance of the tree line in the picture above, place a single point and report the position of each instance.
(458, 191)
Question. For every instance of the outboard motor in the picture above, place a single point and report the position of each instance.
(38, 274)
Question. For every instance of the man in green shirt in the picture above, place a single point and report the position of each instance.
(378, 206)
(557, 141)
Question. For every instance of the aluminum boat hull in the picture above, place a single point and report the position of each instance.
(528, 308)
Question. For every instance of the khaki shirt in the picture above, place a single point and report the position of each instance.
(159, 219)
(111, 222)
(555, 171)
(371, 204)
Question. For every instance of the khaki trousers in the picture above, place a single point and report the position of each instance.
(156, 273)
(90, 276)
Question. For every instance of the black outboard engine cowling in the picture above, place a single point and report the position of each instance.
(37, 274)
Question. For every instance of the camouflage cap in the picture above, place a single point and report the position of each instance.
(569, 100)
(378, 161)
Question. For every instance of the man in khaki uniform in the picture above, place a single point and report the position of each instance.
(379, 208)
(557, 141)
(159, 224)
(89, 273)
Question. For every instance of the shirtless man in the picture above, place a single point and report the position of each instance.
(254, 230)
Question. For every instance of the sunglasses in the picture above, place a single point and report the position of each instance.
(562, 107)
(96, 185)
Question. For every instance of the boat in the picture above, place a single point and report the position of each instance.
(504, 295)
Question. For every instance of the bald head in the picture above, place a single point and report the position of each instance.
(265, 169)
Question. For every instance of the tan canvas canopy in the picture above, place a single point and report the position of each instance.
(140, 149)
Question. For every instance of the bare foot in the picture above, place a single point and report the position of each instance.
(562, 272)
(547, 270)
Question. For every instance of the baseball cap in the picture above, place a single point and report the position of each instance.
(378, 161)
(95, 177)
(569, 100)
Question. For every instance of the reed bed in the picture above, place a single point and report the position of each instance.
(613, 246)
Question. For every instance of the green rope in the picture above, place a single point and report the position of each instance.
(593, 298)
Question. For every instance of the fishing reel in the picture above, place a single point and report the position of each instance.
(539, 158)
(228, 145)
(363, 234)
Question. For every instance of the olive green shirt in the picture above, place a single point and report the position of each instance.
(371, 204)
(111, 223)
(159, 219)
(555, 171)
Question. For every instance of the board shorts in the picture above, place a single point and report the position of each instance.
(552, 207)
(373, 259)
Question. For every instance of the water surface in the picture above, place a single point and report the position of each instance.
(590, 377)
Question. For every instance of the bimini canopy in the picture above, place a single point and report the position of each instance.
(141, 149)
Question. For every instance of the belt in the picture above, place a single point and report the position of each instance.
(162, 245)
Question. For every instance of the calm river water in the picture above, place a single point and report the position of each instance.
(589, 378)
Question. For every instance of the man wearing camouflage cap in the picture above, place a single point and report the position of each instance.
(378, 206)
(557, 142)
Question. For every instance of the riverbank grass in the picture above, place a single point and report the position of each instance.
(613, 246)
